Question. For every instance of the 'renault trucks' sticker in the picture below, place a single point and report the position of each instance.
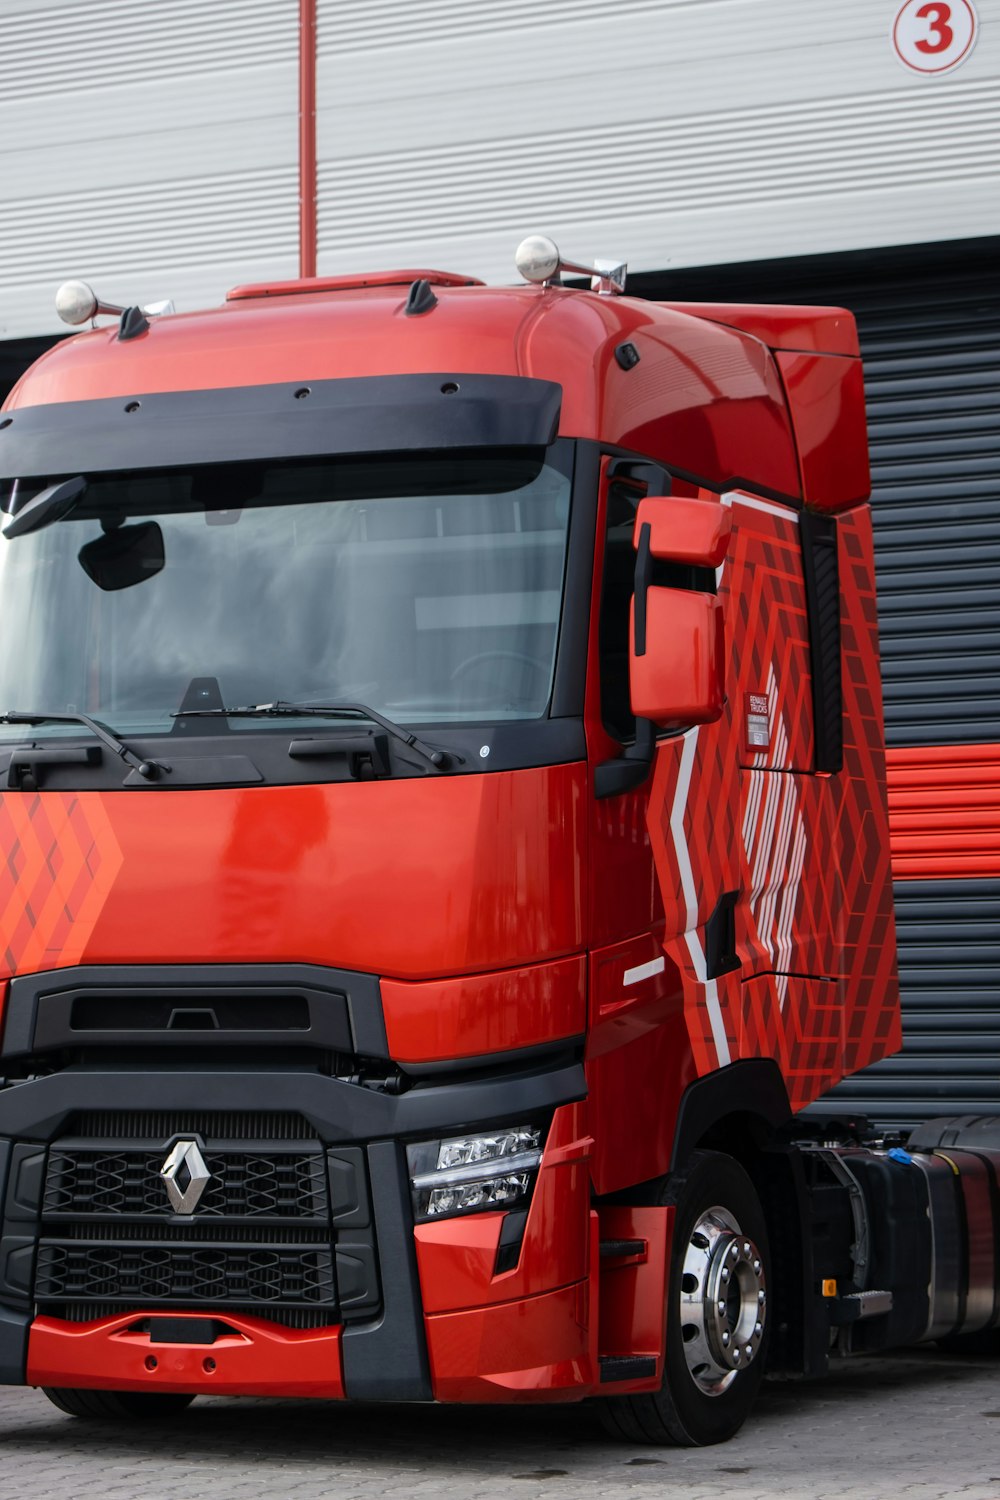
(758, 721)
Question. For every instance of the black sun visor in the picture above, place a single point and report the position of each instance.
(382, 413)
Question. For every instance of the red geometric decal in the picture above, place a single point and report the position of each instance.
(62, 861)
(807, 853)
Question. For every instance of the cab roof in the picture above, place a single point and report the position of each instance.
(702, 388)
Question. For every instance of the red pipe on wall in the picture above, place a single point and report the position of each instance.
(307, 137)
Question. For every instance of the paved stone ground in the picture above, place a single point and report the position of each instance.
(919, 1426)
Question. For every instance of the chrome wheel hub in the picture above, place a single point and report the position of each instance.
(723, 1301)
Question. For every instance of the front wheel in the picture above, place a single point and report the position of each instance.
(104, 1406)
(716, 1333)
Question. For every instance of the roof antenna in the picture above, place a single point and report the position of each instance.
(420, 300)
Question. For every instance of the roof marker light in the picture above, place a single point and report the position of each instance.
(538, 260)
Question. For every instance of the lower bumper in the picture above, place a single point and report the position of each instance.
(248, 1357)
(534, 1349)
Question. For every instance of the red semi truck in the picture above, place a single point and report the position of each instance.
(444, 851)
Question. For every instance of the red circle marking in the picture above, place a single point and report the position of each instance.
(943, 6)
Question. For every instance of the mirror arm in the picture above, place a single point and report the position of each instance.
(630, 769)
(643, 579)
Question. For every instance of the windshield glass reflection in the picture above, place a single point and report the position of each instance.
(428, 588)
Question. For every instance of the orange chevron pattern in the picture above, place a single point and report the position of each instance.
(62, 860)
(808, 853)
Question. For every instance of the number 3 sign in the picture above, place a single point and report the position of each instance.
(934, 36)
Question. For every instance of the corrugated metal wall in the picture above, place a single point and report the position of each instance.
(929, 320)
(670, 132)
(149, 148)
(152, 148)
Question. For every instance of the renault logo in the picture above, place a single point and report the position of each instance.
(185, 1177)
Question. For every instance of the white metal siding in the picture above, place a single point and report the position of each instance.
(672, 132)
(149, 148)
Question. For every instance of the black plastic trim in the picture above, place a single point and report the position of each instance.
(720, 937)
(132, 323)
(542, 1054)
(643, 579)
(510, 1241)
(627, 355)
(821, 570)
(569, 686)
(369, 414)
(632, 767)
(386, 1359)
(753, 1087)
(185, 1330)
(14, 1326)
(626, 1367)
(421, 299)
(197, 758)
(337, 1110)
(23, 767)
(345, 1007)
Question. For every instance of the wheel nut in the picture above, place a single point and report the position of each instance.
(736, 1356)
(722, 1307)
(725, 1274)
(757, 1328)
(756, 1266)
(725, 1339)
(746, 1247)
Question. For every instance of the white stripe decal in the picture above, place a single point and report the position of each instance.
(711, 998)
(643, 971)
(779, 741)
(677, 828)
(736, 497)
(766, 841)
(750, 815)
(691, 938)
(779, 861)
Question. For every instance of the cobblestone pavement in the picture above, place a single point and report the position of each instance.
(923, 1426)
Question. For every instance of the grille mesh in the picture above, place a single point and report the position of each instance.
(223, 1275)
(161, 1126)
(261, 1238)
(243, 1184)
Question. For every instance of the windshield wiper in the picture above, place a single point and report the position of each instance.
(148, 769)
(437, 758)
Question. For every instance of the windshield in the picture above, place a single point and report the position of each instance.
(428, 588)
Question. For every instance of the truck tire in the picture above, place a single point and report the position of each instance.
(716, 1333)
(118, 1405)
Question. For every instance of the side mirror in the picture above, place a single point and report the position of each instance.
(677, 656)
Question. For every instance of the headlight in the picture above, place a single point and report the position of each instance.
(472, 1173)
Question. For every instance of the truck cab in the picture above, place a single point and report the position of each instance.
(444, 844)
